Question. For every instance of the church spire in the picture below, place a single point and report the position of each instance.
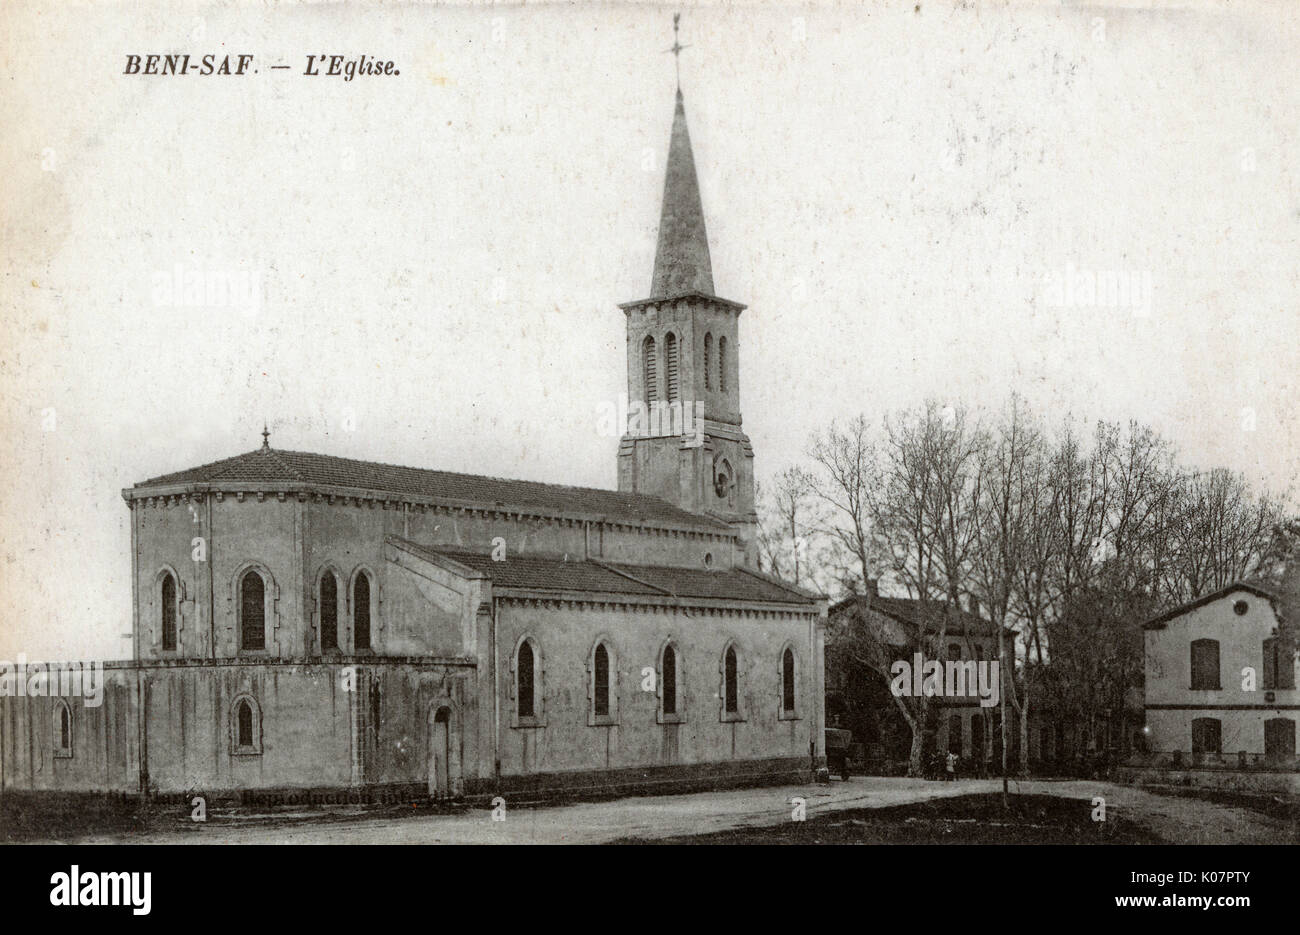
(682, 258)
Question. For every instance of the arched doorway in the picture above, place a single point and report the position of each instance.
(444, 752)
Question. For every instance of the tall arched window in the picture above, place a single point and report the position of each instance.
(62, 728)
(361, 612)
(244, 728)
(600, 680)
(168, 598)
(730, 682)
(787, 681)
(329, 612)
(649, 372)
(252, 611)
(722, 364)
(669, 678)
(708, 361)
(1205, 665)
(525, 681)
(670, 356)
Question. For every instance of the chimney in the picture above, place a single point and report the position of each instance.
(873, 587)
(973, 604)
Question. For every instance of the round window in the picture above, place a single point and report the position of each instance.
(1240, 608)
(708, 559)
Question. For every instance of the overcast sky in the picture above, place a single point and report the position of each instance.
(901, 197)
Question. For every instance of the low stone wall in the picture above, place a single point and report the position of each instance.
(1254, 780)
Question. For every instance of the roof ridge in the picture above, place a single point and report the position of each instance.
(620, 572)
(284, 464)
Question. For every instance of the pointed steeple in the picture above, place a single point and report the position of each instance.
(682, 258)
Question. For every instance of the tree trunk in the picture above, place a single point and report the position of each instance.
(915, 766)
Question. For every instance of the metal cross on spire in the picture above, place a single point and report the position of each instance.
(677, 50)
(266, 436)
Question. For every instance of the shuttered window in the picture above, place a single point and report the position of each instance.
(1205, 665)
(649, 367)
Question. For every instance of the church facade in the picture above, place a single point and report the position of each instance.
(308, 622)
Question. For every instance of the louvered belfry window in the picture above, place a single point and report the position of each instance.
(649, 370)
(708, 361)
(722, 364)
(670, 352)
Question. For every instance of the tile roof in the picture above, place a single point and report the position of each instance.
(274, 465)
(556, 573)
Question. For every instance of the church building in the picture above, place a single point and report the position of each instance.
(306, 623)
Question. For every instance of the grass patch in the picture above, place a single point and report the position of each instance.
(965, 819)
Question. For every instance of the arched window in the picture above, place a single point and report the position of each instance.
(1205, 665)
(600, 678)
(252, 611)
(245, 726)
(62, 728)
(329, 612)
(954, 734)
(168, 598)
(787, 681)
(670, 355)
(708, 361)
(244, 730)
(361, 612)
(722, 364)
(730, 682)
(668, 676)
(649, 370)
(526, 680)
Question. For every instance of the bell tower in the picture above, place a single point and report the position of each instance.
(683, 367)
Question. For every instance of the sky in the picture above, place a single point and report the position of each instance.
(910, 199)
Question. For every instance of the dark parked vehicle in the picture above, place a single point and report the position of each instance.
(839, 750)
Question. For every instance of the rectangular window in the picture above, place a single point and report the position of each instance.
(1206, 735)
(1205, 665)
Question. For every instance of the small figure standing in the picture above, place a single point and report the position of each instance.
(952, 767)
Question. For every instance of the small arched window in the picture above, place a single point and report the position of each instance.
(649, 367)
(600, 679)
(668, 675)
(708, 361)
(168, 598)
(62, 728)
(329, 612)
(245, 726)
(361, 612)
(730, 682)
(252, 611)
(670, 357)
(787, 682)
(722, 364)
(526, 680)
